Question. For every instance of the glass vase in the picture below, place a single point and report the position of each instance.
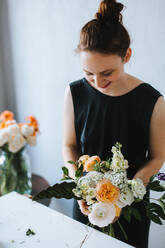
(15, 172)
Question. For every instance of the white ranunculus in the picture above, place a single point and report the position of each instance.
(138, 188)
(102, 214)
(126, 198)
(31, 140)
(4, 136)
(13, 130)
(27, 130)
(16, 143)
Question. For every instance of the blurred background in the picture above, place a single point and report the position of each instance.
(37, 62)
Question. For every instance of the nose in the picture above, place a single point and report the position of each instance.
(97, 80)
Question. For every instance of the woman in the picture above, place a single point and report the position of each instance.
(109, 105)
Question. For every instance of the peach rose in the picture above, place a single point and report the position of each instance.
(106, 191)
(89, 164)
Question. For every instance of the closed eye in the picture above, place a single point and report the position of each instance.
(107, 74)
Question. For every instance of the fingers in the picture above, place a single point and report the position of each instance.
(83, 207)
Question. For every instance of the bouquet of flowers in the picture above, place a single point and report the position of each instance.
(107, 191)
(14, 162)
(14, 136)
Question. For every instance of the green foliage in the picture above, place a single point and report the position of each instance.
(104, 166)
(30, 232)
(152, 178)
(155, 212)
(155, 186)
(62, 190)
(130, 211)
(79, 171)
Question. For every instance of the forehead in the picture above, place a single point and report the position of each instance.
(97, 62)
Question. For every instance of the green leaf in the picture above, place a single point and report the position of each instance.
(30, 232)
(152, 178)
(65, 171)
(162, 204)
(136, 213)
(155, 186)
(137, 200)
(62, 190)
(111, 231)
(155, 218)
(126, 211)
(79, 171)
(162, 197)
(156, 209)
(71, 162)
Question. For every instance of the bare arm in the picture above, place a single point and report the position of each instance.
(69, 146)
(157, 143)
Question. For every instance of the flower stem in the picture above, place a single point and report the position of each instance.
(124, 233)
(111, 231)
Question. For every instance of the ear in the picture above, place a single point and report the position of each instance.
(128, 55)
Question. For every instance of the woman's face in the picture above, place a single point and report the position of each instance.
(102, 71)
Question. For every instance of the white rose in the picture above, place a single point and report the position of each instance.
(27, 130)
(16, 143)
(126, 198)
(138, 188)
(4, 136)
(31, 140)
(102, 214)
(13, 130)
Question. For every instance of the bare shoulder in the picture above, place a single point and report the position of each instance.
(159, 109)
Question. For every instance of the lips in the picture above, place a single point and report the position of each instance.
(105, 86)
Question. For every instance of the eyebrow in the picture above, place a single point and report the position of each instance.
(109, 70)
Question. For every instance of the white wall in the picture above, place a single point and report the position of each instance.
(42, 37)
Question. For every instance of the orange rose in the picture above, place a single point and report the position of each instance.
(6, 115)
(83, 159)
(33, 122)
(106, 191)
(89, 164)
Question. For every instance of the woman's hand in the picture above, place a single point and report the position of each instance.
(83, 207)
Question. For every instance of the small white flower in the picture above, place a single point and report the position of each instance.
(27, 130)
(91, 179)
(16, 143)
(118, 179)
(31, 140)
(102, 214)
(118, 162)
(126, 198)
(138, 188)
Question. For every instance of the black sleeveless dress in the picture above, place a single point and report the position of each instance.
(100, 122)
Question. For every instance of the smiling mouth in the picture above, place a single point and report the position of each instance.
(103, 87)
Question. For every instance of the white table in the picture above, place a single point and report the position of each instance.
(53, 229)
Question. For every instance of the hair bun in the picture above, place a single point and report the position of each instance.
(110, 10)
